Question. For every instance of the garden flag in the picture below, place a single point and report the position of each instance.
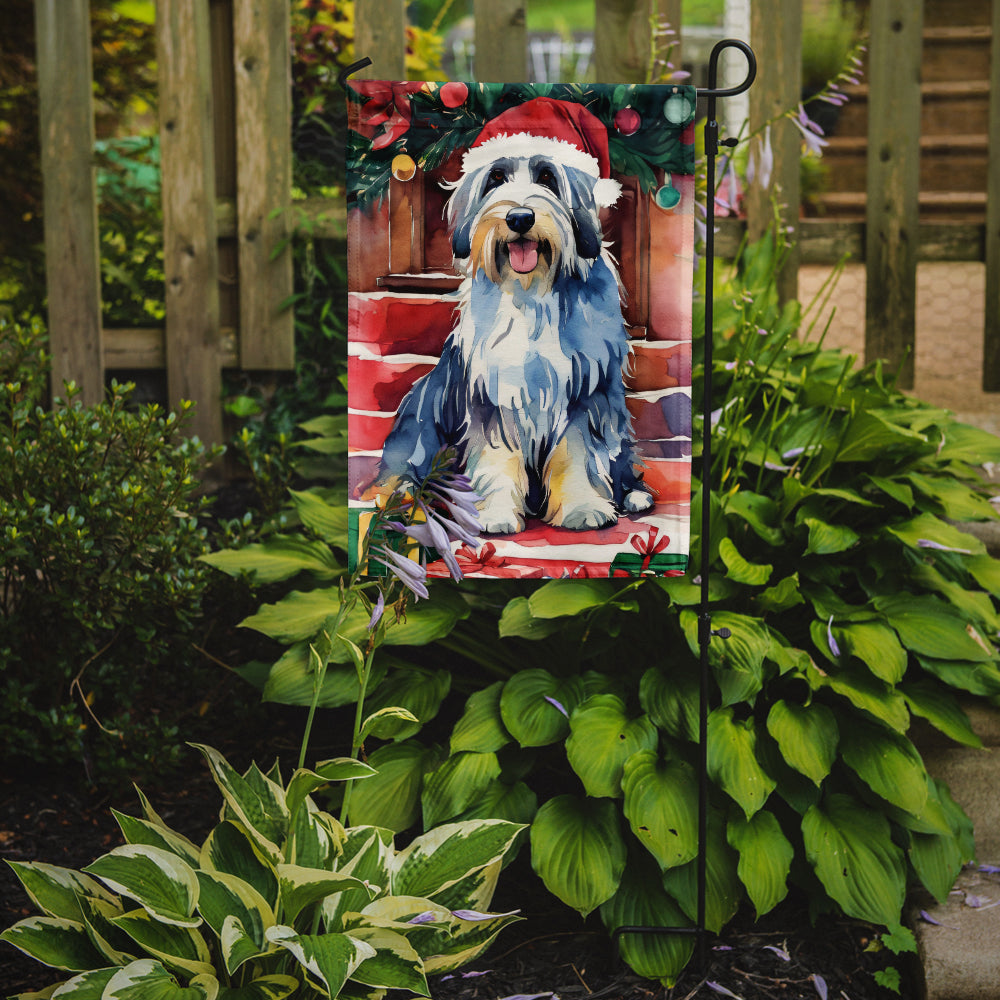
(520, 274)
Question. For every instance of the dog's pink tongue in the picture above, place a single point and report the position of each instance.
(523, 255)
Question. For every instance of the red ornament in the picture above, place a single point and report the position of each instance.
(453, 94)
(627, 121)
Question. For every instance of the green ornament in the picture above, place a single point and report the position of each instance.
(678, 109)
(667, 197)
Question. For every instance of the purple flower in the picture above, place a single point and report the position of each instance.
(811, 132)
(761, 163)
(820, 983)
(558, 705)
(410, 574)
(834, 648)
(427, 917)
(431, 534)
(927, 543)
(475, 915)
(719, 988)
(377, 612)
(780, 952)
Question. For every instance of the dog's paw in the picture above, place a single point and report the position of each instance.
(636, 501)
(500, 519)
(599, 515)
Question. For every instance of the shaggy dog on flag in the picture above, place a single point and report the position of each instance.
(529, 386)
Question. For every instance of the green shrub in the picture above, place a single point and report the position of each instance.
(101, 584)
(279, 900)
(854, 605)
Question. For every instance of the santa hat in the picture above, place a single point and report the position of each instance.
(562, 130)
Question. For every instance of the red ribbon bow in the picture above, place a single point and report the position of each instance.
(649, 546)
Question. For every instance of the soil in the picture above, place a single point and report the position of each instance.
(550, 953)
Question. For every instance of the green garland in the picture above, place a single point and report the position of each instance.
(443, 119)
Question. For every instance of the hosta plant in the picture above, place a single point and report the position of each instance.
(279, 900)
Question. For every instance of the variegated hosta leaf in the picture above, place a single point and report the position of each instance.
(807, 736)
(56, 891)
(602, 737)
(177, 947)
(456, 784)
(149, 980)
(54, 941)
(481, 727)
(328, 959)
(225, 897)
(275, 987)
(315, 838)
(230, 849)
(535, 706)
(304, 782)
(661, 799)
(256, 801)
(395, 964)
(642, 902)
(850, 847)
(732, 760)
(723, 889)
(765, 858)
(467, 941)
(441, 857)
(87, 986)
(116, 946)
(578, 851)
(300, 887)
(158, 880)
(476, 890)
(367, 853)
(141, 831)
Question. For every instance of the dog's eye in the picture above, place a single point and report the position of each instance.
(548, 179)
(494, 179)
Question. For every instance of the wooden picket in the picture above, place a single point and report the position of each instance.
(226, 156)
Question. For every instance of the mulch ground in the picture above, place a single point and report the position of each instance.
(551, 953)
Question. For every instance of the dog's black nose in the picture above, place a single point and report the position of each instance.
(520, 220)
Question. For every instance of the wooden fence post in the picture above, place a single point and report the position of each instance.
(190, 251)
(72, 255)
(380, 34)
(776, 35)
(622, 40)
(501, 40)
(262, 61)
(892, 215)
(991, 333)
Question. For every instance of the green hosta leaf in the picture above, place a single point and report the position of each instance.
(560, 598)
(888, 763)
(957, 501)
(578, 851)
(391, 798)
(301, 887)
(516, 803)
(931, 628)
(937, 860)
(292, 680)
(893, 488)
(661, 798)
(517, 620)
(330, 959)
(56, 891)
(928, 528)
(441, 857)
(456, 784)
(758, 511)
(602, 738)
(738, 661)
(986, 571)
(864, 691)
(976, 678)
(54, 941)
(641, 901)
(328, 520)
(180, 948)
(275, 987)
(147, 979)
(870, 436)
(395, 964)
(225, 897)
(975, 605)
(876, 646)
(765, 858)
(230, 849)
(297, 616)
(388, 722)
(260, 809)
(141, 831)
(807, 736)
(941, 709)
(723, 889)
(304, 782)
(671, 699)
(828, 539)
(530, 706)
(417, 690)
(850, 847)
(732, 760)
(783, 595)
(738, 569)
(160, 882)
(965, 443)
(481, 728)
(279, 558)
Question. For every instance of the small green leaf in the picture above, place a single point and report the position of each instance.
(807, 736)
(417, 690)
(732, 760)
(481, 727)
(535, 706)
(517, 620)
(561, 598)
(456, 784)
(828, 539)
(578, 851)
(888, 763)
(932, 628)
(328, 520)
(936, 704)
(765, 858)
(671, 699)
(281, 557)
(383, 723)
(391, 798)
(738, 569)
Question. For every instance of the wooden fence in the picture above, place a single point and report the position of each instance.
(226, 160)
